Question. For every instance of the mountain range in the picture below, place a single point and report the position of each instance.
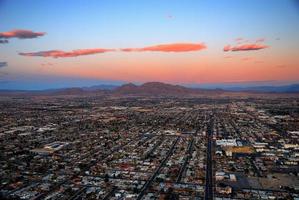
(158, 88)
(153, 89)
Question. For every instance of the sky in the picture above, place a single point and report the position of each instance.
(72, 43)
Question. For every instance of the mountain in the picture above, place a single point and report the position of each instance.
(128, 88)
(153, 89)
(100, 87)
(158, 88)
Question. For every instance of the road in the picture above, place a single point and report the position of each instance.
(149, 182)
(188, 156)
(209, 163)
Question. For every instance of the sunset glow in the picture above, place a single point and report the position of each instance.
(190, 42)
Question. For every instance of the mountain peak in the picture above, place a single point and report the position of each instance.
(154, 88)
(154, 83)
(129, 84)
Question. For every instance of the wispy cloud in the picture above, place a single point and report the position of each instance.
(21, 34)
(64, 54)
(3, 41)
(245, 47)
(176, 47)
(3, 64)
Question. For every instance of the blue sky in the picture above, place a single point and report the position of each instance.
(71, 25)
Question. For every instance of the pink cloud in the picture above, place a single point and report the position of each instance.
(226, 48)
(21, 34)
(245, 47)
(64, 54)
(176, 47)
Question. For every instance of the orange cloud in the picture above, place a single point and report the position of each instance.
(245, 47)
(176, 47)
(21, 34)
(64, 54)
(226, 48)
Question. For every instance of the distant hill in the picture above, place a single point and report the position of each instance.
(100, 87)
(52, 92)
(152, 89)
(158, 88)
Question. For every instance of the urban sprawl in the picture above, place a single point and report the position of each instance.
(149, 148)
